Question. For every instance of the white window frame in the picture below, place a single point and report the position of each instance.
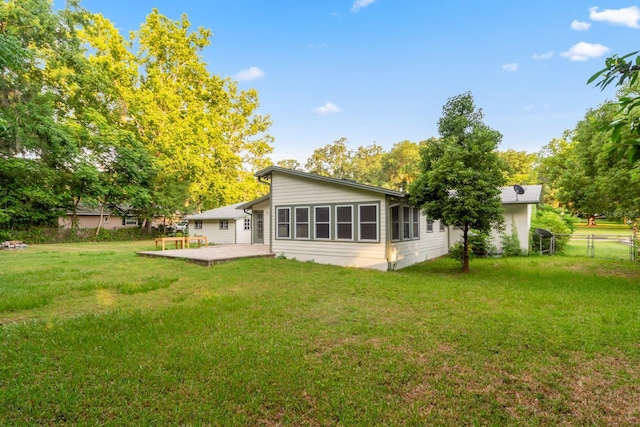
(224, 224)
(415, 223)
(278, 236)
(308, 223)
(339, 223)
(442, 226)
(197, 225)
(316, 222)
(247, 224)
(429, 225)
(376, 222)
(399, 222)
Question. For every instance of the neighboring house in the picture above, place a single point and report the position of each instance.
(341, 222)
(87, 217)
(225, 225)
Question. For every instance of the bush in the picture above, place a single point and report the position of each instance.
(480, 244)
(511, 242)
(40, 235)
(556, 221)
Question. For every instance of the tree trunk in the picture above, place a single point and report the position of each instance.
(100, 222)
(465, 250)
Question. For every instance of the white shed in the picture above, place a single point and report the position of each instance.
(222, 226)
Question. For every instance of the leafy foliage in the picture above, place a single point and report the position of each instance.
(623, 70)
(462, 172)
(556, 221)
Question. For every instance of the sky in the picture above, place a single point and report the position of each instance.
(381, 70)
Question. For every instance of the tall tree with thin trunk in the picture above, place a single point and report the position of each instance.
(462, 172)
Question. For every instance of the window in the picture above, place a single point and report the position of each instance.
(106, 219)
(129, 220)
(429, 225)
(406, 223)
(416, 222)
(283, 229)
(247, 224)
(302, 223)
(322, 222)
(344, 222)
(442, 226)
(368, 220)
(395, 223)
(224, 224)
(198, 225)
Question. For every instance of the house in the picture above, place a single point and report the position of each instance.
(341, 222)
(518, 203)
(225, 225)
(87, 217)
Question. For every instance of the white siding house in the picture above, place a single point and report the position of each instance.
(222, 226)
(334, 221)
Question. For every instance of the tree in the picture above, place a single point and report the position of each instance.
(624, 72)
(289, 164)
(401, 165)
(522, 166)
(462, 172)
(330, 160)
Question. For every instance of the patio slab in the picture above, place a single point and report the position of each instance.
(213, 254)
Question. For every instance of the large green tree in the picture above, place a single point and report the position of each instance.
(462, 172)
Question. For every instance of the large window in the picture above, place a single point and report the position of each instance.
(302, 223)
(283, 229)
(224, 224)
(323, 222)
(368, 220)
(395, 223)
(406, 223)
(344, 222)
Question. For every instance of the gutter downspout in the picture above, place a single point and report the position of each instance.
(387, 237)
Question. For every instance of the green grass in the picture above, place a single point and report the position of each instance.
(92, 334)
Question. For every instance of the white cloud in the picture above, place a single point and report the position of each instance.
(328, 108)
(628, 16)
(584, 51)
(580, 26)
(360, 4)
(542, 56)
(249, 74)
(510, 67)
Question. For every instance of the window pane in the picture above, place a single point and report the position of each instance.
(344, 231)
(302, 214)
(283, 230)
(369, 231)
(395, 223)
(344, 213)
(322, 231)
(368, 214)
(322, 214)
(283, 215)
(302, 231)
(405, 223)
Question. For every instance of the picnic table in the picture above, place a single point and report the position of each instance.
(184, 242)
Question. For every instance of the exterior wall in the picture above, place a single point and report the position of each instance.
(211, 229)
(292, 191)
(109, 222)
(520, 216)
(518, 213)
(432, 244)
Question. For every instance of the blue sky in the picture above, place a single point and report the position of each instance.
(381, 70)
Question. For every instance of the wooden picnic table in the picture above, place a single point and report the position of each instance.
(184, 242)
(164, 240)
(200, 239)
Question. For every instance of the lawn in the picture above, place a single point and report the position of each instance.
(92, 334)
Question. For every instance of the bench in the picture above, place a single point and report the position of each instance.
(164, 240)
(200, 239)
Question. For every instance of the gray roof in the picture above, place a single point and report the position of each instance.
(250, 204)
(532, 195)
(225, 212)
(346, 182)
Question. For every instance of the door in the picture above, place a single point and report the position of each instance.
(258, 229)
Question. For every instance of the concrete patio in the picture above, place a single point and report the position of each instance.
(214, 254)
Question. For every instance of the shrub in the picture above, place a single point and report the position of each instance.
(511, 242)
